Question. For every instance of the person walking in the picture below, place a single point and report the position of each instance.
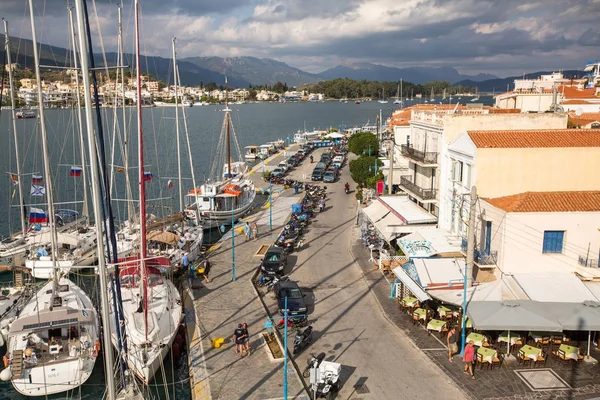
(468, 358)
(451, 342)
(247, 231)
(191, 275)
(238, 338)
(206, 269)
(254, 231)
(246, 338)
(185, 261)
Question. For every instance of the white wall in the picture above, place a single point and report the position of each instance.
(518, 238)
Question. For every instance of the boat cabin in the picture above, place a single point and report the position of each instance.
(266, 150)
(251, 152)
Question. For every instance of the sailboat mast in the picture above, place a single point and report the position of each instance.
(45, 151)
(141, 177)
(130, 208)
(84, 210)
(177, 127)
(227, 122)
(108, 355)
(14, 123)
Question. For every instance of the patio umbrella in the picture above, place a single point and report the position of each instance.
(516, 315)
(578, 317)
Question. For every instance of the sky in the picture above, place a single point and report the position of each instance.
(502, 37)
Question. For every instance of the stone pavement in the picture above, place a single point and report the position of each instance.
(569, 381)
(214, 309)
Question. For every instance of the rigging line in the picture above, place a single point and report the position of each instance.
(100, 37)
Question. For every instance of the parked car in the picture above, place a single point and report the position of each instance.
(339, 158)
(295, 298)
(300, 155)
(294, 161)
(277, 171)
(283, 165)
(326, 158)
(317, 174)
(330, 175)
(336, 164)
(274, 262)
(321, 165)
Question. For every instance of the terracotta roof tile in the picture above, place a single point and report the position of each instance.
(583, 119)
(583, 201)
(512, 139)
(572, 92)
(576, 102)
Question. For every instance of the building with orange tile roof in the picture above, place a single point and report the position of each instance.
(545, 233)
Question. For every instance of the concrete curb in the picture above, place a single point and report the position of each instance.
(199, 381)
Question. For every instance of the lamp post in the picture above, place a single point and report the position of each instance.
(285, 349)
(232, 246)
(270, 205)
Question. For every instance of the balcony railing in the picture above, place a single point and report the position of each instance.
(588, 262)
(483, 258)
(424, 157)
(425, 194)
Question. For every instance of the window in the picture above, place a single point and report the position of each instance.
(553, 241)
(467, 176)
(457, 171)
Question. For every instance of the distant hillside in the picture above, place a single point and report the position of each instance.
(500, 84)
(257, 71)
(417, 75)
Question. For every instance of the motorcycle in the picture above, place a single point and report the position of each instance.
(302, 339)
(347, 188)
(313, 362)
(293, 322)
(326, 384)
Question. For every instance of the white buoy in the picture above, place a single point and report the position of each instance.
(4, 333)
(6, 374)
(1, 340)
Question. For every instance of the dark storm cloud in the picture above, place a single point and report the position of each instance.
(472, 34)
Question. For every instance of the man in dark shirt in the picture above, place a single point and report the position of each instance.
(238, 337)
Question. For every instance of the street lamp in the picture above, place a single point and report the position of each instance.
(270, 205)
(285, 349)
(232, 245)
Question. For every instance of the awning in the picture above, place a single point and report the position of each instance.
(516, 315)
(439, 272)
(413, 286)
(163, 237)
(554, 287)
(504, 289)
(577, 316)
(427, 242)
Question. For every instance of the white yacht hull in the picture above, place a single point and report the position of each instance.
(44, 269)
(53, 380)
(214, 219)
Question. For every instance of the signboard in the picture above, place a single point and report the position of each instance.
(380, 186)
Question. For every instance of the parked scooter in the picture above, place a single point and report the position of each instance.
(347, 188)
(293, 322)
(302, 339)
(313, 362)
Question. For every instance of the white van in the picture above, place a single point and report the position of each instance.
(283, 165)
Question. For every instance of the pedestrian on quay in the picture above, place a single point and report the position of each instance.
(206, 269)
(238, 338)
(255, 231)
(246, 338)
(247, 231)
(191, 275)
(468, 358)
(185, 261)
(451, 342)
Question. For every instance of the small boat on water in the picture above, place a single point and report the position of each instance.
(25, 114)
(226, 196)
(251, 153)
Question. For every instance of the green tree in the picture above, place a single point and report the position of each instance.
(363, 143)
(210, 86)
(363, 172)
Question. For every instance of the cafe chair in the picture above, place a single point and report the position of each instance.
(517, 346)
(522, 359)
(561, 356)
(497, 361)
(481, 361)
(580, 354)
(541, 359)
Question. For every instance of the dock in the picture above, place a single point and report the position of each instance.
(213, 310)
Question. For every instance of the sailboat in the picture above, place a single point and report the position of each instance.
(432, 98)
(224, 197)
(151, 304)
(476, 96)
(399, 94)
(383, 100)
(53, 344)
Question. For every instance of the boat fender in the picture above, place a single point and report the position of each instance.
(178, 301)
(5, 359)
(175, 349)
(6, 374)
(97, 348)
(1, 340)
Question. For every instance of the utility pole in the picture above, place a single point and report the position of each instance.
(391, 170)
(468, 276)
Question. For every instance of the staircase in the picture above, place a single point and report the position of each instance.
(17, 364)
(18, 279)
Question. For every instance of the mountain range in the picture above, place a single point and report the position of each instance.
(500, 84)
(246, 71)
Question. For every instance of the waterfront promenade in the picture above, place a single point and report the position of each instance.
(378, 361)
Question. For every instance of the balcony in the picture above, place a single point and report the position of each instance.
(426, 158)
(588, 262)
(419, 192)
(482, 258)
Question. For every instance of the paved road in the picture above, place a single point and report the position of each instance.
(349, 325)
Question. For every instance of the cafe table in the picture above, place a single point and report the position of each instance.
(538, 336)
(436, 325)
(477, 338)
(443, 311)
(421, 313)
(514, 336)
(410, 301)
(570, 351)
(531, 352)
(487, 354)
